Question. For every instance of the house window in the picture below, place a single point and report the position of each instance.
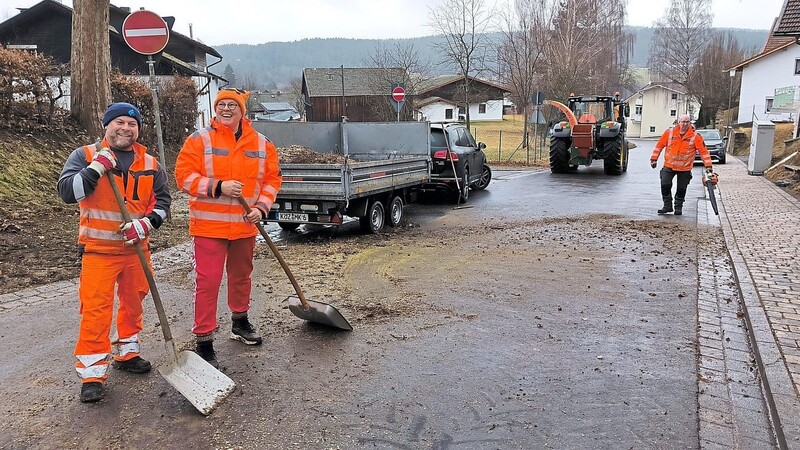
(673, 113)
(482, 108)
(638, 111)
(448, 114)
(652, 129)
(797, 66)
(674, 96)
(768, 105)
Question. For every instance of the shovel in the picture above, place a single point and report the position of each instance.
(203, 385)
(310, 310)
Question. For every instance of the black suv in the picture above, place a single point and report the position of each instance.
(452, 146)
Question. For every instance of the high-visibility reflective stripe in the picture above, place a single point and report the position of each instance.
(269, 189)
(257, 154)
(207, 152)
(90, 360)
(77, 187)
(102, 215)
(206, 185)
(161, 213)
(101, 234)
(187, 183)
(96, 371)
(134, 338)
(218, 217)
(128, 347)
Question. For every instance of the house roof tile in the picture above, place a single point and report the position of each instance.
(327, 82)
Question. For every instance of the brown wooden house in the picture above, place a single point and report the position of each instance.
(46, 28)
(360, 94)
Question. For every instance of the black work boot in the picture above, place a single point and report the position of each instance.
(678, 206)
(206, 351)
(242, 330)
(667, 204)
(92, 392)
(137, 364)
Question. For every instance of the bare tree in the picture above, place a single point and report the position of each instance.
(463, 25)
(399, 63)
(296, 94)
(679, 40)
(589, 50)
(715, 87)
(90, 84)
(525, 33)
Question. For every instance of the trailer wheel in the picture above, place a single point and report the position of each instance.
(395, 212)
(612, 161)
(288, 226)
(375, 218)
(559, 156)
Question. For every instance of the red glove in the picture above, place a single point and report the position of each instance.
(136, 230)
(103, 161)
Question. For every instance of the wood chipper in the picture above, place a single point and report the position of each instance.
(594, 129)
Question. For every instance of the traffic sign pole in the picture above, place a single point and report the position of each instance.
(398, 98)
(147, 33)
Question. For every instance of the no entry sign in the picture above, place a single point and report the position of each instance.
(399, 94)
(145, 32)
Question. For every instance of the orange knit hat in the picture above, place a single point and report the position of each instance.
(238, 95)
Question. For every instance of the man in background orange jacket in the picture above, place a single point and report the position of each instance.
(218, 164)
(680, 144)
(108, 254)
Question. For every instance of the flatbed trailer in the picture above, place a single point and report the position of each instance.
(383, 167)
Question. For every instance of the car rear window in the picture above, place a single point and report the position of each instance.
(437, 139)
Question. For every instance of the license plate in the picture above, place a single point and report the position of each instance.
(294, 217)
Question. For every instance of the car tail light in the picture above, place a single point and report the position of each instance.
(442, 154)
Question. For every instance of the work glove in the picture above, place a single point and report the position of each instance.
(136, 230)
(103, 161)
(653, 163)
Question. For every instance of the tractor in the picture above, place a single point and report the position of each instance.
(594, 129)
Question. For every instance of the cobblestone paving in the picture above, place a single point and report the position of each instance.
(762, 225)
(732, 409)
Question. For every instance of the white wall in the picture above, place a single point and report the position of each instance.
(760, 79)
(657, 111)
(435, 112)
(204, 107)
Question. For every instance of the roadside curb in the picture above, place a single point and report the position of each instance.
(779, 393)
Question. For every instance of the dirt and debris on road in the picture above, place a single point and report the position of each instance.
(426, 309)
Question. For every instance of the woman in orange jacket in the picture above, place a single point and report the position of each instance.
(680, 143)
(218, 164)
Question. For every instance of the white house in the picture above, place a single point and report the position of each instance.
(656, 107)
(777, 66)
(439, 98)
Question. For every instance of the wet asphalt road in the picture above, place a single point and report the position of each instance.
(537, 359)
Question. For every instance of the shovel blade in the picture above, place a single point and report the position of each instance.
(318, 312)
(197, 380)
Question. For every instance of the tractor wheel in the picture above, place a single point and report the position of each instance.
(559, 155)
(612, 161)
(626, 153)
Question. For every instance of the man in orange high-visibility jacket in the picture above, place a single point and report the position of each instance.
(108, 254)
(218, 164)
(680, 143)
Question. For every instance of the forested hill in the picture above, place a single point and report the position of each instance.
(275, 64)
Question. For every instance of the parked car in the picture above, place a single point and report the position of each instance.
(715, 144)
(452, 146)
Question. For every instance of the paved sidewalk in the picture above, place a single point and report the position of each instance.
(761, 224)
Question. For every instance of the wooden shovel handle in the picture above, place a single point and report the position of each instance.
(162, 316)
(277, 254)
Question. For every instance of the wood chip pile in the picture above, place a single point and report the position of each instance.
(296, 154)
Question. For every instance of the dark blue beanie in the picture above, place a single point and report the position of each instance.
(121, 109)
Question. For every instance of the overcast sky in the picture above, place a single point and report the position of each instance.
(257, 21)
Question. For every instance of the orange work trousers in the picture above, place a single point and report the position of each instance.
(100, 273)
